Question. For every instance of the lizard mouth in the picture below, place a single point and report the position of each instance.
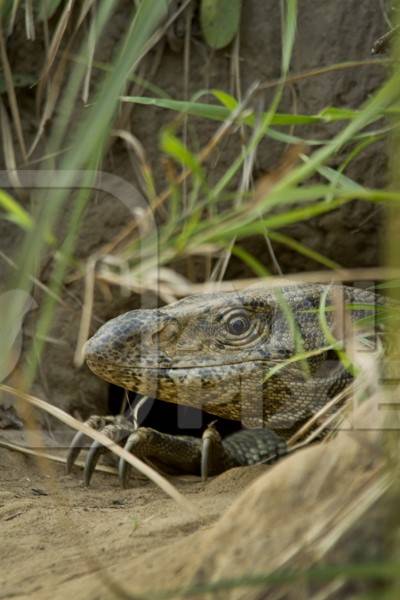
(198, 386)
(97, 364)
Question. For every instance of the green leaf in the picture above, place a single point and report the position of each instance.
(374, 107)
(300, 356)
(15, 212)
(18, 215)
(251, 261)
(339, 180)
(197, 109)
(242, 228)
(331, 113)
(220, 21)
(225, 99)
(173, 146)
(218, 113)
(288, 32)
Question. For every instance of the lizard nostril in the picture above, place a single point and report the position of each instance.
(167, 332)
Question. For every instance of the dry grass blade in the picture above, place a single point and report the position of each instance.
(56, 40)
(144, 173)
(333, 525)
(186, 76)
(59, 459)
(126, 281)
(8, 147)
(330, 590)
(328, 531)
(318, 71)
(157, 36)
(34, 280)
(136, 463)
(218, 273)
(183, 287)
(12, 98)
(288, 161)
(338, 399)
(29, 20)
(11, 20)
(52, 95)
(367, 498)
(332, 420)
(86, 7)
(87, 310)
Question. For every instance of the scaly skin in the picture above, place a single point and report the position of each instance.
(216, 352)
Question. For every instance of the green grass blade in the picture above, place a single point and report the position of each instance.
(15, 212)
(217, 113)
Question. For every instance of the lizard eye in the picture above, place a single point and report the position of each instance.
(239, 327)
(238, 324)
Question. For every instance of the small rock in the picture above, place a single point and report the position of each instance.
(39, 492)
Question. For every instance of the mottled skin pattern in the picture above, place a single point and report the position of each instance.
(216, 352)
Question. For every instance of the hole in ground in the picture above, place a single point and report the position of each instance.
(170, 418)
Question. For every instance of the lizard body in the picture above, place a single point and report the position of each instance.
(232, 354)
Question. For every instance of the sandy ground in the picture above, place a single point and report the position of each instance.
(60, 539)
(326, 504)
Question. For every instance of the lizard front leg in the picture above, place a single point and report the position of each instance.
(209, 455)
(171, 453)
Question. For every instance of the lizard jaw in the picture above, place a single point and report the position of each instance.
(197, 386)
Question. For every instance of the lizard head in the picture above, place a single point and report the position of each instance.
(207, 350)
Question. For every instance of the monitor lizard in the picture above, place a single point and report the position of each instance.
(262, 356)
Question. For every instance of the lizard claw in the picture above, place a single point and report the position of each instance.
(74, 450)
(205, 457)
(211, 440)
(95, 451)
(96, 422)
(123, 466)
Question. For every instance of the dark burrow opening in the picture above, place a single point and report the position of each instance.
(168, 417)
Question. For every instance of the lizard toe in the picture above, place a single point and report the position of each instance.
(115, 428)
(92, 458)
(80, 439)
(116, 432)
(124, 467)
(210, 441)
(74, 450)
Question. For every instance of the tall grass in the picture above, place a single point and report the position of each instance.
(217, 214)
(211, 219)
